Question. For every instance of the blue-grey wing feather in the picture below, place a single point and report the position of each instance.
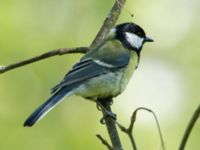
(80, 75)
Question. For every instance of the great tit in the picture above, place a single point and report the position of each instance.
(103, 72)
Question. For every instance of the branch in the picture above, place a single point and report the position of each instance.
(189, 128)
(109, 22)
(129, 130)
(110, 124)
(107, 25)
(61, 51)
(104, 142)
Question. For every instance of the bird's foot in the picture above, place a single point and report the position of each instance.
(108, 114)
(99, 107)
(100, 104)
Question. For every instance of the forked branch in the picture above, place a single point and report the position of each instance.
(129, 130)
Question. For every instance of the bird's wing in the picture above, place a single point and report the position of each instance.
(91, 67)
(82, 71)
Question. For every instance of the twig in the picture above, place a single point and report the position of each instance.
(109, 22)
(48, 54)
(104, 142)
(129, 130)
(189, 128)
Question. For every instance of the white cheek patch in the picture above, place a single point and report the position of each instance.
(134, 40)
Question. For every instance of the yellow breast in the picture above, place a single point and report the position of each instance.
(128, 71)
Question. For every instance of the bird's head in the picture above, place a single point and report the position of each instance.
(131, 35)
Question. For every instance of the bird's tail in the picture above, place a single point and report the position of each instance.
(47, 106)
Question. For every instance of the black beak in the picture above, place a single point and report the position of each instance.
(148, 39)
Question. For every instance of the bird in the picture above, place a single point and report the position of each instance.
(102, 73)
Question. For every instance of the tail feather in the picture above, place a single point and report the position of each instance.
(46, 107)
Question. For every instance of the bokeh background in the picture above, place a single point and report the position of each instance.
(167, 80)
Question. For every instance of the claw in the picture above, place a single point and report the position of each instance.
(99, 107)
(102, 120)
(108, 114)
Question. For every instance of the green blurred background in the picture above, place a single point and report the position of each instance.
(167, 80)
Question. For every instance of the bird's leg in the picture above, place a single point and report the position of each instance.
(101, 106)
(98, 106)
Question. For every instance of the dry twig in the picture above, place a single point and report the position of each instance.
(104, 142)
(48, 54)
(129, 130)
